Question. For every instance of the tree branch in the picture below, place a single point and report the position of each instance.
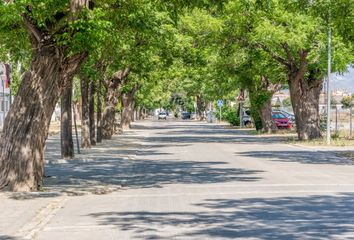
(35, 33)
(303, 64)
(274, 56)
(289, 55)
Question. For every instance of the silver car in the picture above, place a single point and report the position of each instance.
(162, 115)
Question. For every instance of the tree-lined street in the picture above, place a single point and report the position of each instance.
(187, 180)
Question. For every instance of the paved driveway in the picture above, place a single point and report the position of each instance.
(189, 180)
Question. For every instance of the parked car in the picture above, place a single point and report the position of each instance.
(162, 115)
(281, 121)
(290, 116)
(246, 118)
(186, 115)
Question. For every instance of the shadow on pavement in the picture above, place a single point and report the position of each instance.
(130, 173)
(312, 217)
(305, 157)
(3, 237)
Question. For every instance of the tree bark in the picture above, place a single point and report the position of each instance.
(141, 113)
(305, 96)
(92, 113)
(99, 112)
(265, 113)
(128, 108)
(114, 86)
(85, 127)
(201, 106)
(26, 125)
(265, 108)
(66, 133)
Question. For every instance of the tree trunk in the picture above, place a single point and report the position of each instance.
(265, 113)
(66, 133)
(128, 108)
(85, 127)
(305, 102)
(265, 92)
(127, 103)
(99, 111)
(201, 106)
(109, 113)
(92, 113)
(141, 113)
(27, 123)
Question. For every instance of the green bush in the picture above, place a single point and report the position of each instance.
(229, 115)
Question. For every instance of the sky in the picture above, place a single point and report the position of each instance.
(344, 81)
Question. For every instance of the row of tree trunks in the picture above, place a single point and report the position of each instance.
(114, 86)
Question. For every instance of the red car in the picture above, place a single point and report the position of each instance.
(281, 121)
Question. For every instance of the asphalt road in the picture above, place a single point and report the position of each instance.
(187, 180)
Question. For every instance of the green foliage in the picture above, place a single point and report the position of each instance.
(348, 101)
(229, 115)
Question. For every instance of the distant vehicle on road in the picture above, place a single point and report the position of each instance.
(186, 115)
(162, 115)
(281, 121)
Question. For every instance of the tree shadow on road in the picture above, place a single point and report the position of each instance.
(3, 237)
(305, 157)
(115, 173)
(310, 217)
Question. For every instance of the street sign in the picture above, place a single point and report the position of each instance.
(220, 103)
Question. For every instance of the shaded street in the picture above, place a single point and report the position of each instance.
(187, 180)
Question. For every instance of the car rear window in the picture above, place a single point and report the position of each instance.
(278, 115)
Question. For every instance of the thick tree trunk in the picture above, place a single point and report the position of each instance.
(305, 102)
(109, 113)
(265, 113)
(66, 133)
(92, 113)
(27, 123)
(85, 127)
(99, 111)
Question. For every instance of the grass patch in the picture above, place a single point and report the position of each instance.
(340, 142)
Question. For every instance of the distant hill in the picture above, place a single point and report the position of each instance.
(343, 82)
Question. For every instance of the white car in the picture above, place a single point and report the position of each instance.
(162, 115)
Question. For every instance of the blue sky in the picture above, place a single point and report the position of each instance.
(344, 81)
